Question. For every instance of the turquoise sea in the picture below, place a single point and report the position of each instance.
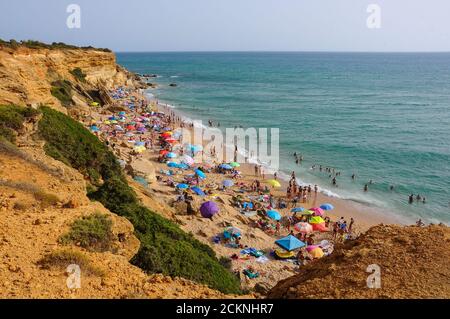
(382, 116)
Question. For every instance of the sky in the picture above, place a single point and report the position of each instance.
(233, 25)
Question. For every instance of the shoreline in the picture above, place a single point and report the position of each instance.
(364, 214)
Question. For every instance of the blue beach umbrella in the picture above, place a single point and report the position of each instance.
(183, 166)
(225, 166)
(198, 191)
(297, 209)
(290, 243)
(273, 214)
(171, 155)
(172, 164)
(182, 186)
(200, 173)
(327, 206)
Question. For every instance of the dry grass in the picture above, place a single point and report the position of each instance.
(61, 259)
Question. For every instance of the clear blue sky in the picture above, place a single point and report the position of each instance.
(233, 25)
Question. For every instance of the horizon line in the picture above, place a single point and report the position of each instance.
(269, 51)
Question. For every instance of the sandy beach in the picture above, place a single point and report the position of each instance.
(157, 186)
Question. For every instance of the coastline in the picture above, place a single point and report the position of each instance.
(365, 216)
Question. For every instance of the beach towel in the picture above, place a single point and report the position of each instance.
(250, 274)
(262, 260)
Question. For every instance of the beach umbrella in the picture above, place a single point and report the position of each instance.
(317, 211)
(209, 209)
(316, 253)
(297, 210)
(303, 228)
(171, 155)
(274, 183)
(172, 164)
(320, 227)
(187, 160)
(225, 166)
(316, 220)
(183, 166)
(307, 212)
(327, 206)
(163, 152)
(198, 191)
(290, 243)
(131, 127)
(107, 122)
(139, 143)
(142, 129)
(196, 148)
(200, 173)
(273, 214)
(234, 164)
(182, 186)
(231, 231)
(166, 134)
(122, 113)
(228, 183)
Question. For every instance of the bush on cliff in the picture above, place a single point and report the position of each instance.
(165, 248)
(12, 118)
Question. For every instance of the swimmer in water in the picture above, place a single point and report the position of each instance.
(366, 188)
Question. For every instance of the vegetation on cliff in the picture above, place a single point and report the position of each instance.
(165, 248)
(12, 118)
(32, 44)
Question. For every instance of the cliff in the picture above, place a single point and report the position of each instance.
(28, 75)
(413, 263)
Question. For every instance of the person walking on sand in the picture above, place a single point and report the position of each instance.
(275, 176)
(350, 226)
(277, 228)
(256, 170)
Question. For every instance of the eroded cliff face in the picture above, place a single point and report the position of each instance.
(412, 262)
(26, 75)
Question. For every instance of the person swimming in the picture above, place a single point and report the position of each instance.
(411, 198)
(366, 188)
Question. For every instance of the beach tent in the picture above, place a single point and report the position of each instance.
(297, 210)
(316, 220)
(303, 228)
(317, 211)
(198, 191)
(327, 206)
(273, 214)
(290, 243)
(228, 183)
(200, 173)
(231, 231)
(274, 183)
(209, 209)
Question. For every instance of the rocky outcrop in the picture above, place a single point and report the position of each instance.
(412, 261)
(26, 74)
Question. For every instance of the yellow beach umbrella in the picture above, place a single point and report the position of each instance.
(274, 183)
(316, 220)
(316, 253)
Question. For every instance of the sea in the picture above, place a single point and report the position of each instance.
(384, 117)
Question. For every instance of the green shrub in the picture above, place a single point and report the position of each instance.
(165, 248)
(32, 44)
(62, 90)
(91, 232)
(78, 74)
(12, 118)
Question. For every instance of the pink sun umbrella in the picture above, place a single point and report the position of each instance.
(317, 211)
(303, 228)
